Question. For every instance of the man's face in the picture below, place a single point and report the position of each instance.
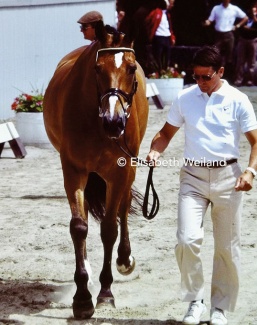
(88, 31)
(208, 79)
(225, 3)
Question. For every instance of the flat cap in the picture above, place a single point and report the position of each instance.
(90, 17)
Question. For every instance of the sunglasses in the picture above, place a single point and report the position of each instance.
(197, 77)
(85, 27)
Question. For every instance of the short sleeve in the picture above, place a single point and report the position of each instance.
(247, 118)
(174, 115)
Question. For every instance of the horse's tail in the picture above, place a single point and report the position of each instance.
(95, 195)
(137, 202)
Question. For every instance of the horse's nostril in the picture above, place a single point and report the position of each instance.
(114, 128)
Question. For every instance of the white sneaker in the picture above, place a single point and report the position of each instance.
(218, 317)
(195, 310)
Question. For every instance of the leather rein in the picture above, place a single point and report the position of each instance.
(149, 184)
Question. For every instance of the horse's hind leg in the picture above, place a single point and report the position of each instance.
(83, 307)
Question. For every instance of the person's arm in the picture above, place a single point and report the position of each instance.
(242, 22)
(245, 181)
(161, 141)
(207, 22)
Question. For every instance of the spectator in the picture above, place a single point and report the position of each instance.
(160, 34)
(134, 13)
(246, 50)
(88, 23)
(224, 17)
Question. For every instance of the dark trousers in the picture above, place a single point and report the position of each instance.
(161, 51)
(225, 43)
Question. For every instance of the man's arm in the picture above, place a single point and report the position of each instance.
(161, 141)
(245, 181)
(242, 22)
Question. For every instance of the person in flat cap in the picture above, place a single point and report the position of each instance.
(88, 23)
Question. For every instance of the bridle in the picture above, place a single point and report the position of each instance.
(128, 97)
(120, 93)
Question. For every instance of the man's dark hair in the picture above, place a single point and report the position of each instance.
(208, 56)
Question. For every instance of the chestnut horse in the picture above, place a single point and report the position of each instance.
(95, 106)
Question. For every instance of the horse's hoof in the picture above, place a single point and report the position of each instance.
(126, 270)
(83, 309)
(105, 302)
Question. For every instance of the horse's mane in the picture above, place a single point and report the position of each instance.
(109, 36)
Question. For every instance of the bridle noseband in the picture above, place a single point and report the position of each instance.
(120, 93)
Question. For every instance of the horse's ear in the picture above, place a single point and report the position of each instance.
(127, 43)
(110, 37)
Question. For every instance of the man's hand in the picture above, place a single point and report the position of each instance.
(153, 156)
(244, 182)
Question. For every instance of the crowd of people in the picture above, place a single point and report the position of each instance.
(158, 25)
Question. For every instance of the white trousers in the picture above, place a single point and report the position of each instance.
(199, 187)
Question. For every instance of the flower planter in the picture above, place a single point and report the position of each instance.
(168, 88)
(31, 129)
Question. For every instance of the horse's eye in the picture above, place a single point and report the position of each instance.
(132, 68)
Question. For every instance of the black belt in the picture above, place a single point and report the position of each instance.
(210, 164)
(223, 33)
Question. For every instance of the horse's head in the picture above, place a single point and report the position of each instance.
(116, 81)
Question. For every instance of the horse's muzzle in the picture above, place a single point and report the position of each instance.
(114, 128)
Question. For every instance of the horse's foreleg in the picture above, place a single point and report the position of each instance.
(82, 301)
(125, 262)
(74, 185)
(109, 233)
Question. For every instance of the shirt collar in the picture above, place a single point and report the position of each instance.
(221, 91)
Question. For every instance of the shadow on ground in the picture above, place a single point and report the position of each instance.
(32, 297)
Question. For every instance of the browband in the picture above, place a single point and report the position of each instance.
(122, 49)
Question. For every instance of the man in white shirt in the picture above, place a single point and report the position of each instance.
(224, 17)
(213, 114)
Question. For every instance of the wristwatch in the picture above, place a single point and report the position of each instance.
(252, 170)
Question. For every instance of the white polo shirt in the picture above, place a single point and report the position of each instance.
(212, 125)
(225, 17)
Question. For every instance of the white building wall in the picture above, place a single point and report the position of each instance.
(34, 38)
